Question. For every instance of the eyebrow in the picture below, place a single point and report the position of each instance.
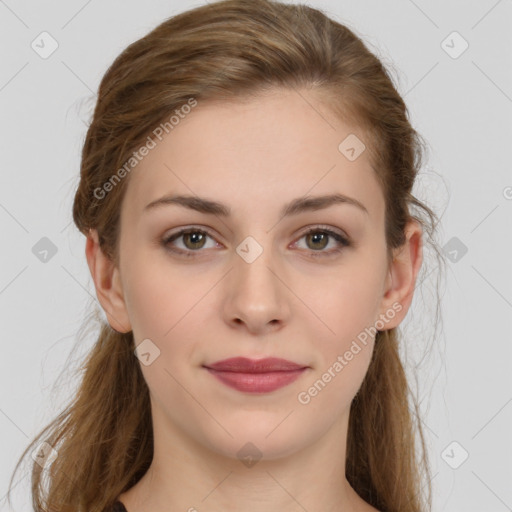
(299, 205)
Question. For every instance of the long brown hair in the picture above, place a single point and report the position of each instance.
(224, 50)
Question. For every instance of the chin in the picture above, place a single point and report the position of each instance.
(255, 441)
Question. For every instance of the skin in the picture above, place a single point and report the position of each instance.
(254, 156)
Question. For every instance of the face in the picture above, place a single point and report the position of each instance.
(254, 283)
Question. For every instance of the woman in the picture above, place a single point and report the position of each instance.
(245, 192)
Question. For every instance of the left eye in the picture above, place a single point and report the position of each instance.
(194, 239)
(320, 238)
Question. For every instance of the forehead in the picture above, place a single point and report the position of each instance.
(257, 153)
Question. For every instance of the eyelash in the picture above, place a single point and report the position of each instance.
(340, 239)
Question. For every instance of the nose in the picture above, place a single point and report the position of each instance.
(256, 296)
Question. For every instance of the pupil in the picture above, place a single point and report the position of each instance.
(195, 237)
(315, 239)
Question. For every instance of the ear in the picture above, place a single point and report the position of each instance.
(402, 274)
(107, 282)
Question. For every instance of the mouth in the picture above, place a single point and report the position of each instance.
(256, 375)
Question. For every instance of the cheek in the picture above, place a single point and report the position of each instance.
(159, 297)
(344, 348)
(348, 306)
(170, 308)
(348, 302)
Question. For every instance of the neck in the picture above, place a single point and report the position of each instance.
(187, 476)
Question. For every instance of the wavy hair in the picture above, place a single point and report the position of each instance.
(222, 51)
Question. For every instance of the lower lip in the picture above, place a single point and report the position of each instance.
(257, 382)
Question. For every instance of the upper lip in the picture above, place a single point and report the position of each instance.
(245, 365)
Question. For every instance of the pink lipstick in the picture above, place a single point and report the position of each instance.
(256, 375)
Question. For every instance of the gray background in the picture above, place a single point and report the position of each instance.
(461, 103)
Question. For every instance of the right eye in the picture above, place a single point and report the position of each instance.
(194, 239)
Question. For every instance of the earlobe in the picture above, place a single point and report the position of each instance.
(401, 278)
(107, 283)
